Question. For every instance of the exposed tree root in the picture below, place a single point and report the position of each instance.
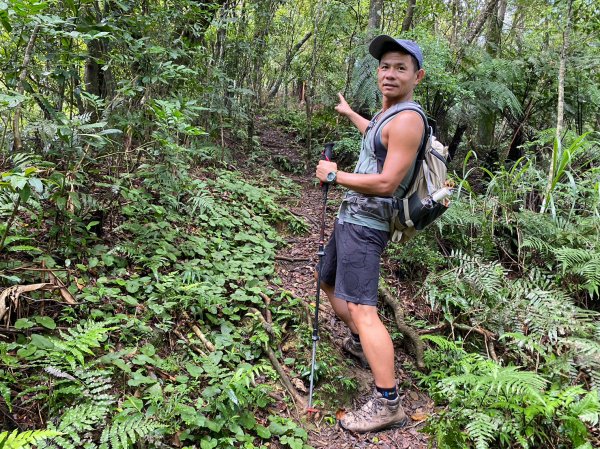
(268, 327)
(408, 331)
(299, 401)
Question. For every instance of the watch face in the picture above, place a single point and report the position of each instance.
(331, 176)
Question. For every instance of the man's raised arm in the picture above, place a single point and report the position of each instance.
(344, 109)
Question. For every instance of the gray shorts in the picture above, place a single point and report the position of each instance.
(351, 262)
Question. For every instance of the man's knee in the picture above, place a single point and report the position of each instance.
(363, 315)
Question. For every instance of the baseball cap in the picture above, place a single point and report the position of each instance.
(386, 43)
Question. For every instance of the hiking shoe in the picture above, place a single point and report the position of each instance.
(354, 348)
(379, 413)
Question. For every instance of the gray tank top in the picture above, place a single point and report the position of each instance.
(368, 210)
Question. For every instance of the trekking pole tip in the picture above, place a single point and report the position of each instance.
(312, 413)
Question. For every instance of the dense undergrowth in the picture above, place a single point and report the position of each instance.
(122, 364)
(516, 293)
(162, 340)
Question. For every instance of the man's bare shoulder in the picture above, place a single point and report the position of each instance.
(407, 124)
(405, 121)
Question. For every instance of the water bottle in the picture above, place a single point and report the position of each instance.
(437, 197)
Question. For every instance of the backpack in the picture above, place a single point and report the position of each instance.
(425, 198)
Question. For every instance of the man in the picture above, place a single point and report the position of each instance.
(350, 270)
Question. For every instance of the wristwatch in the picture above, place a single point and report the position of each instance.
(331, 177)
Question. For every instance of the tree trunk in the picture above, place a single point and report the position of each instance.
(494, 38)
(560, 109)
(97, 81)
(455, 142)
(480, 21)
(21, 88)
(408, 18)
(286, 66)
(487, 120)
(374, 24)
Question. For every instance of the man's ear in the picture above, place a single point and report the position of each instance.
(420, 76)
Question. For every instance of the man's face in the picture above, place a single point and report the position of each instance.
(397, 76)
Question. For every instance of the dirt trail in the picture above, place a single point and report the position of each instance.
(295, 267)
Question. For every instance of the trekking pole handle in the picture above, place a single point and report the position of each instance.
(327, 154)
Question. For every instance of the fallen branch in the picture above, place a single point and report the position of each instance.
(299, 401)
(491, 350)
(64, 292)
(203, 338)
(195, 348)
(196, 330)
(291, 259)
(488, 336)
(268, 315)
(408, 331)
(478, 330)
(265, 324)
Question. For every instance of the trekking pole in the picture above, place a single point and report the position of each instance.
(326, 155)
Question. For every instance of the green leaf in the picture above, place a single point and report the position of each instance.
(233, 396)
(18, 182)
(120, 363)
(16, 248)
(23, 323)
(41, 342)
(130, 301)
(133, 402)
(208, 443)
(27, 351)
(25, 193)
(46, 321)
(4, 20)
(36, 184)
(277, 429)
(195, 371)
(263, 432)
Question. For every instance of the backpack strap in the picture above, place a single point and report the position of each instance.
(385, 117)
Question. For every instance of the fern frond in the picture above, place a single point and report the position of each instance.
(58, 373)
(364, 88)
(482, 430)
(126, 430)
(24, 440)
(443, 343)
(588, 408)
(494, 380)
(79, 341)
(538, 244)
(75, 426)
(583, 262)
(551, 313)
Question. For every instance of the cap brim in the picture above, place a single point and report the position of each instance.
(378, 44)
